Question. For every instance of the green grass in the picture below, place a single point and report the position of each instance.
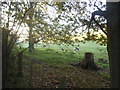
(51, 56)
(104, 75)
(52, 53)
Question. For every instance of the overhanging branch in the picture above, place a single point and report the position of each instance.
(100, 13)
(100, 26)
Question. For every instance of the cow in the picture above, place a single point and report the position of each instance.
(44, 45)
(76, 49)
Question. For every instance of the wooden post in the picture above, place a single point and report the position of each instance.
(62, 82)
(20, 70)
(113, 23)
(31, 72)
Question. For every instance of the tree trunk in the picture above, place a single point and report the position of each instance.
(113, 24)
(88, 62)
(4, 68)
(31, 46)
(5, 57)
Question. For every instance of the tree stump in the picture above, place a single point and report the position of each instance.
(88, 62)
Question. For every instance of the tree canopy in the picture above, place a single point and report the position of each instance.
(55, 21)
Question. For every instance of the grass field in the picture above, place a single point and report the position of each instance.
(53, 54)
